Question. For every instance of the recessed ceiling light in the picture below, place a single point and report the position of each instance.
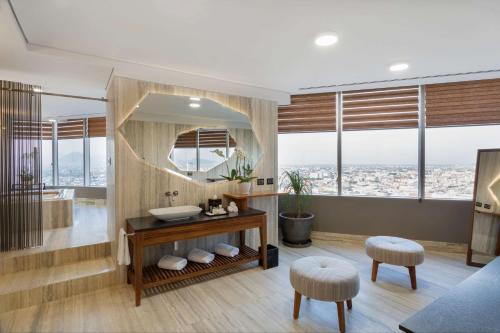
(194, 98)
(137, 106)
(37, 90)
(402, 66)
(326, 39)
(194, 105)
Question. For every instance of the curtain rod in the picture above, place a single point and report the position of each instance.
(101, 99)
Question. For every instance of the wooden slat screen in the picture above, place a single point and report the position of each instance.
(97, 127)
(70, 129)
(20, 167)
(208, 139)
(24, 129)
(308, 113)
(463, 103)
(386, 108)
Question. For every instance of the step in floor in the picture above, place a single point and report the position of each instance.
(27, 288)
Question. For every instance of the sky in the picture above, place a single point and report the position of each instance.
(451, 145)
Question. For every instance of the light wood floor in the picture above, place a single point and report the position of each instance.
(89, 227)
(251, 300)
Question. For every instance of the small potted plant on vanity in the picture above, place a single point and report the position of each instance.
(242, 172)
(296, 222)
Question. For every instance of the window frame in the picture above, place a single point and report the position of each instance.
(198, 156)
(85, 161)
(421, 150)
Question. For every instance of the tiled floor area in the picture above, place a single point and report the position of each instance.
(251, 300)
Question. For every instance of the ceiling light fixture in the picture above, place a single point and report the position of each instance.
(326, 39)
(137, 106)
(402, 66)
(195, 98)
(37, 90)
(194, 105)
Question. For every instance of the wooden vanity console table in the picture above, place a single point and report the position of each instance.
(148, 231)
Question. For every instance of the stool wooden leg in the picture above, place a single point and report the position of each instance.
(349, 304)
(413, 276)
(340, 311)
(375, 270)
(296, 305)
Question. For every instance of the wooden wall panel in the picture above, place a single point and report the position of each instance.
(135, 185)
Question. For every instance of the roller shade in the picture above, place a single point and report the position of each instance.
(308, 113)
(208, 139)
(386, 108)
(463, 103)
(97, 127)
(70, 129)
(47, 131)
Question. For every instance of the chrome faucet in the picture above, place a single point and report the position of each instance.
(171, 196)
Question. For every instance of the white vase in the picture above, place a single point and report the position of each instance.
(245, 187)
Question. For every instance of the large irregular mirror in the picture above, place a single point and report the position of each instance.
(195, 137)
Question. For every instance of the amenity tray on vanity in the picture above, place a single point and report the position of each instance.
(148, 231)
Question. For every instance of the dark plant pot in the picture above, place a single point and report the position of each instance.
(296, 230)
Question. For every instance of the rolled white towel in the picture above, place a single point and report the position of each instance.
(226, 250)
(172, 262)
(200, 256)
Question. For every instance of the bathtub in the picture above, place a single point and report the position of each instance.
(57, 208)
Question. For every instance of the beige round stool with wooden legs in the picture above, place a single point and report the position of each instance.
(395, 251)
(324, 279)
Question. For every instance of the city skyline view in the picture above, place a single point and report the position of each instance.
(384, 162)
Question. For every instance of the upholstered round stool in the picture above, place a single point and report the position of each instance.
(395, 251)
(324, 279)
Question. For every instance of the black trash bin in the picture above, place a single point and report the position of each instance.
(272, 256)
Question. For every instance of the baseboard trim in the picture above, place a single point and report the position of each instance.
(428, 245)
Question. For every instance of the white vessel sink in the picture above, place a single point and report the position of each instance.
(175, 213)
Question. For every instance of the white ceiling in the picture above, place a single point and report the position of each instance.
(270, 43)
(176, 110)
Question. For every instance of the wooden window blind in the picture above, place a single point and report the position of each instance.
(308, 113)
(97, 127)
(70, 129)
(46, 131)
(208, 139)
(463, 103)
(213, 139)
(386, 108)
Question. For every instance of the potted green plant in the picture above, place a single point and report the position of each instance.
(26, 177)
(242, 172)
(296, 222)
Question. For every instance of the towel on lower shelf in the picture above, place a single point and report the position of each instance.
(226, 250)
(123, 255)
(172, 262)
(200, 256)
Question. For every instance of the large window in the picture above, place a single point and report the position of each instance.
(384, 131)
(380, 163)
(47, 165)
(70, 162)
(450, 158)
(97, 150)
(80, 153)
(314, 155)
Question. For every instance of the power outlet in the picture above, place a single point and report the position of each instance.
(260, 181)
(270, 181)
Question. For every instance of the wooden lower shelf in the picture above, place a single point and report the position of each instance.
(154, 276)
